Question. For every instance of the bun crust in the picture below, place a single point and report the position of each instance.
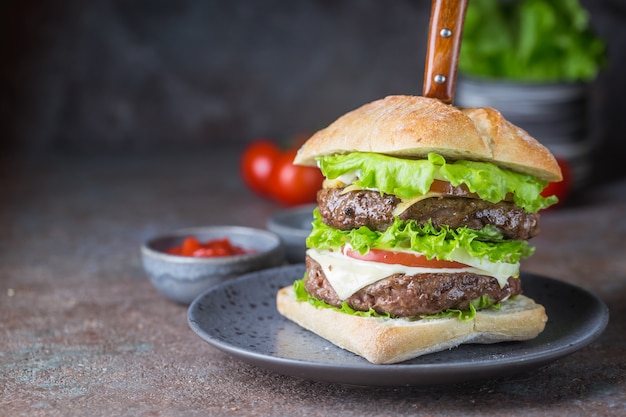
(385, 341)
(413, 126)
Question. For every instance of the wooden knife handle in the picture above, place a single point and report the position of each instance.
(444, 45)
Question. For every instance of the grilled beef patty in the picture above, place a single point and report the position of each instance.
(410, 295)
(354, 209)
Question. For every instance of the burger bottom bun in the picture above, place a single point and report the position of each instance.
(385, 341)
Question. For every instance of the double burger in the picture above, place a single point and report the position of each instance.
(424, 216)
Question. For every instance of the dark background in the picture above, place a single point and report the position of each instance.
(151, 76)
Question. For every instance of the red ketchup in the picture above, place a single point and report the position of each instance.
(191, 246)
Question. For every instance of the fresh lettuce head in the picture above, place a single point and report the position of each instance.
(408, 178)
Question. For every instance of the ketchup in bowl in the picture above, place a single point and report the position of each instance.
(191, 246)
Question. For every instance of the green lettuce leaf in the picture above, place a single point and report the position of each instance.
(433, 242)
(303, 296)
(478, 304)
(531, 40)
(408, 178)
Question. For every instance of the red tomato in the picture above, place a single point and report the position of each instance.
(191, 246)
(256, 165)
(402, 258)
(560, 189)
(444, 187)
(291, 184)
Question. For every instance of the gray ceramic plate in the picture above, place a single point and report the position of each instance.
(240, 318)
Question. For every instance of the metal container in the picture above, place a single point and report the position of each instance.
(555, 114)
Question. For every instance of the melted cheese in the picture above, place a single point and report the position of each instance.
(348, 275)
(405, 204)
(342, 180)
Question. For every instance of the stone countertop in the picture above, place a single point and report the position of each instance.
(82, 331)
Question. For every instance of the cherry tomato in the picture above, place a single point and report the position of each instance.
(256, 165)
(268, 171)
(402, 258)
(291, 184)
(560, 189)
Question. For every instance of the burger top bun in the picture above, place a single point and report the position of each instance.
(413, 126)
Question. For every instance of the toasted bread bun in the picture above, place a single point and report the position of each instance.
(413, 126)
(384, 341)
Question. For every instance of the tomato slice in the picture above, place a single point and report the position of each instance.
(402, 258)
(444, 187)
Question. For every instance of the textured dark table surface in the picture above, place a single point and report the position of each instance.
(82, 331)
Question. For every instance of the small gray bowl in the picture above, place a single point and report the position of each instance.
(183, 278)
(293, 226)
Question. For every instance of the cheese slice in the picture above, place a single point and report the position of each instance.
(406, 203)
(348, 275)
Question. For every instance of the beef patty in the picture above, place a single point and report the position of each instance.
(354, 209)
(411, 295)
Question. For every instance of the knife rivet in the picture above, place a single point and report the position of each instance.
(440, 79)
(445, 33)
